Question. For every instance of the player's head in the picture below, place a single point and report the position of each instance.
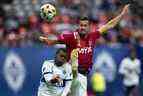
(61, 57)
(84, 26)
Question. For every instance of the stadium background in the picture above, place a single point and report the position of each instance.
(21, 53)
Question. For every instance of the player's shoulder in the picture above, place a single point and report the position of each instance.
(94, 34)
(137, 60)
(48, 63)
(66, 35)
(67, 65)
(69, 33)
(126, 59)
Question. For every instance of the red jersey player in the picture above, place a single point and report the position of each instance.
(83, 40)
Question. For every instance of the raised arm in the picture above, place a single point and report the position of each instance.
(113, 22)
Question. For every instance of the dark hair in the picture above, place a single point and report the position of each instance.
(84, 18)
(60, 62)
(61, 49)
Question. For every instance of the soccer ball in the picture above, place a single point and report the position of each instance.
(47, 12)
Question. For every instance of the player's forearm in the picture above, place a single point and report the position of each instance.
(67, 88)
(48, 41)
(51, 42)
(112, 23)
(48, 78)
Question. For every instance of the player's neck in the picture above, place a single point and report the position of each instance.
(82, 35)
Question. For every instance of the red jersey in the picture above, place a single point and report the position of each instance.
(85, 47)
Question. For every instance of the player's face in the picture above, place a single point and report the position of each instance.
(84, 27)
(61, 58)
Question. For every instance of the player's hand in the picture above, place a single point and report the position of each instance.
(125, 9)
(47, 40)
(42, 38)
(55, 78)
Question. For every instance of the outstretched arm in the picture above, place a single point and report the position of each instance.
(48, 40)
(114, 21)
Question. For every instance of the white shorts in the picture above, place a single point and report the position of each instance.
(43, 90)
(79, 86)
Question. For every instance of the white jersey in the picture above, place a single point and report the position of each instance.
(130, 69)
(48, 70)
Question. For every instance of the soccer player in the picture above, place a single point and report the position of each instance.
(84, 40)
(56, 76)
(130, 69)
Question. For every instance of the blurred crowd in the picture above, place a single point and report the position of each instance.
(21, 25)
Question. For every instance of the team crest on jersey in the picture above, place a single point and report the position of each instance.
(14, 71)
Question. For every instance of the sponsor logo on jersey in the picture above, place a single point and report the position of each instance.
(85, 50)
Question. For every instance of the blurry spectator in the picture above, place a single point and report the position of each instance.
(11, 23)
(98, 83)
(114, 4)
(46, 29)
(114, 40)
(2, 30)
(139, 47)
(125, 35)
(33, 27)
(85, 8)
(2, 12)
(33, 22)
(103, 17)
(23, 38)
(11, 39)
(64, 25)
(130, 69)
(1, 20)
(141, 40)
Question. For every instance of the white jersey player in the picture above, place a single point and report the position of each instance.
(130, 69)
(56, 76)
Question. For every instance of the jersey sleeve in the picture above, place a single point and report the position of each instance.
(47, 67)
(95, 35)
(66, 38)
(123, 67)
(47, 70)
